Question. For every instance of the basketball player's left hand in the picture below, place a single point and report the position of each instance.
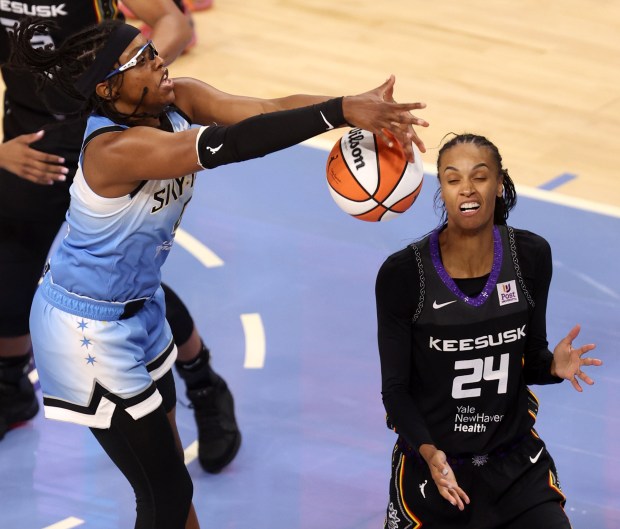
(407, 130)
(376, 111)
(568, 361)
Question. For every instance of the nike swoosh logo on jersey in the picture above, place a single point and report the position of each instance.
(329, 125)
(535, 458)
(439, 305)
(213, 150)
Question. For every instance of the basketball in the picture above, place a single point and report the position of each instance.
(371, 181)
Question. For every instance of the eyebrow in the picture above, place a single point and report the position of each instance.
(135, 50)
(477, 166)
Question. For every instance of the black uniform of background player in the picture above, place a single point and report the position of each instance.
(31, 215)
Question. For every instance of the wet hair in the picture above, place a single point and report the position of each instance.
(504, 203)
(58, 70)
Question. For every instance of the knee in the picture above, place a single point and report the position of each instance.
(165, 502)
(175, 499)
(183, 489)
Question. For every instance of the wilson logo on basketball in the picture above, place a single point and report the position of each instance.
(354, 137)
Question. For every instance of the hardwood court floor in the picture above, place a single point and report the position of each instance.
(540, 79)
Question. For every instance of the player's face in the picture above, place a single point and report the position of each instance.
(470, 182)
(148, 73)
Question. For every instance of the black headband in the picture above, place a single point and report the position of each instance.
(107, 57)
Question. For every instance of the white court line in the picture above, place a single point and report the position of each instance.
(197, 249)
(526, 191)
(565, 200)
(588, 280)
(254, 341)
(68, 523)
(252, 323)
(191, 452)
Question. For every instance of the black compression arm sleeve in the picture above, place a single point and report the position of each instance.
(266, 133)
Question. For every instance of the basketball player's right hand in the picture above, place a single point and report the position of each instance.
(443, 476)
(376, 110)
(19, 158)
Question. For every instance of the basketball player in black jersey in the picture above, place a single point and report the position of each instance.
(37, 162)
(462, 334)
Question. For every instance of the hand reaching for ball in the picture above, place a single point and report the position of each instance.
(376, 111)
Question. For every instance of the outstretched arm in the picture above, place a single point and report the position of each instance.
(115, 162)
(206, 106)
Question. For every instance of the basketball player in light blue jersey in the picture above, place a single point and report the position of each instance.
(38, 160)
(114, 251)
(103, 348)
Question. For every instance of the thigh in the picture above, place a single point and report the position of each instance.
(146, 452)
(178, 316)
(168, 391)
(548, 515)
(524, 480)
(23, 250)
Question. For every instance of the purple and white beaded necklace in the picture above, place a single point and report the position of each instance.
(449, 282)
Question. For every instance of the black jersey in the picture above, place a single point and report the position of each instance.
(456, 356)
(25, 110)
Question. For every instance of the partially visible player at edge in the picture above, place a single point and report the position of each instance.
(41, 148)
(102, 345)
(462, 333)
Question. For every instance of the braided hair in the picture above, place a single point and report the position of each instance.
(503, 203)
(59, 69)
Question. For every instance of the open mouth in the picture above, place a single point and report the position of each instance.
(469, 207)
(164, 77)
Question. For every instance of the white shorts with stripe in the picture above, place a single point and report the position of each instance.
(92, 356)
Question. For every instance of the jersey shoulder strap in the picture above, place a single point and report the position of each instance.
(417, 249)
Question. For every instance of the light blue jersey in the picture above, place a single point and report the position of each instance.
(115, 247)
(99, 333)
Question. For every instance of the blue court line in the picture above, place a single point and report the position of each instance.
(558, 181)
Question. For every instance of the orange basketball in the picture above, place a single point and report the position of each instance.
(371, 181)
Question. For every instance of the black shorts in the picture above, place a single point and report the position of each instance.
(512, 489)
(24, 246)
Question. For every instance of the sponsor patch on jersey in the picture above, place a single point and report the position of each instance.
(507, 293)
